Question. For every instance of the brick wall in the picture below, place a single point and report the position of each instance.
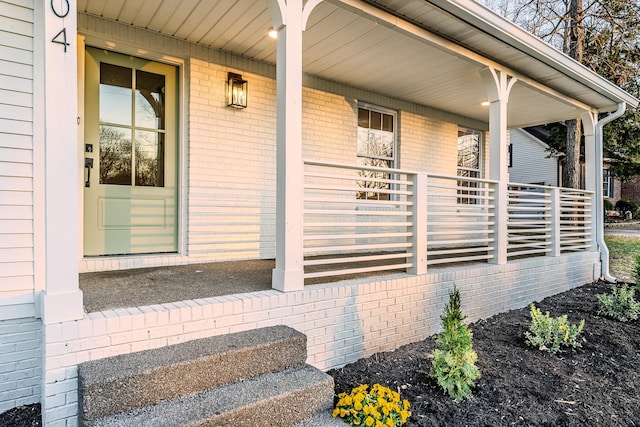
(343, 321)
(630, 190)
(20, 362)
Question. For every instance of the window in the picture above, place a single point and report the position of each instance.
(469, 142)
(376, 147)
(132, 126)
(607, 183)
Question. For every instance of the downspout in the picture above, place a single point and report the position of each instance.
(604, 251)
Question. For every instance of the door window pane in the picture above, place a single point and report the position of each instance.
(115, 94)
(150, 101)
(149, 158)
(122, 157)
(115, 155)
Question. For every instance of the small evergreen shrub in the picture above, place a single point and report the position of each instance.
(620, 304)
(454, 358)
(547, 333)
(379, 407)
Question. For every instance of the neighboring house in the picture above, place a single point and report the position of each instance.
(630, 190)
(529, 159)
(612, 187)
(363, 136)
(531, 163)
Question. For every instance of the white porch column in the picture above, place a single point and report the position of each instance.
(593, 173)
(56, 162)
(288, 274)
(498, 85)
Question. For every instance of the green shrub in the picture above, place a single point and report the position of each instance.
(608, 206)
(454, 358)
(636, 271)
(628, 205)
(547, 333)
(620, 304)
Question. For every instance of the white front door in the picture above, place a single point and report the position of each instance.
(130, 200)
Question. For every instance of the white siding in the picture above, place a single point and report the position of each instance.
(531, 164)
(16, 159)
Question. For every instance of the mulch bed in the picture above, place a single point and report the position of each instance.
(596, 385)
(22, 416)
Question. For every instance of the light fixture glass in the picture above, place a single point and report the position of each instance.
(485, 103)
(237, 91)
(273, 33)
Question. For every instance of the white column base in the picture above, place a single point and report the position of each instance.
(56, 308)
(287, 280)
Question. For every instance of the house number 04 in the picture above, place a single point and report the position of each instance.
(61, 11)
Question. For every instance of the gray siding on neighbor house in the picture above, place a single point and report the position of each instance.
(530, 161)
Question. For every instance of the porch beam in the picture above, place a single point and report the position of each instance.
(288, 274)
(498, 85)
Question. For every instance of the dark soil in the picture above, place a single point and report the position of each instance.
(595, 385)
(22, 416)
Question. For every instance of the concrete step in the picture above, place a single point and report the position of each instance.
(130, 381)
(280, 399)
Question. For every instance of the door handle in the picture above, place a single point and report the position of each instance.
(88, 165)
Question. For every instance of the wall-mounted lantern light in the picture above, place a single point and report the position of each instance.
(237, 91)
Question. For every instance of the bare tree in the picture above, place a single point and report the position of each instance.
(601, 34)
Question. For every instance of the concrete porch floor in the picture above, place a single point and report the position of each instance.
(158, 285)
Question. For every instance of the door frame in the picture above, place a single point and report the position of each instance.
(127, 48)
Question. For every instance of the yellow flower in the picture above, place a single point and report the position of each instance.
(357, 406)
(335, 412)
(405, 405)
(369, 421)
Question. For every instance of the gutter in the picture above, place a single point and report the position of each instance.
(604, 250)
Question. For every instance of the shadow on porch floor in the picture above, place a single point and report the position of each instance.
(157, 285)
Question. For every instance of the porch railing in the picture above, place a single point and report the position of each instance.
(368, 219)
(530, 220)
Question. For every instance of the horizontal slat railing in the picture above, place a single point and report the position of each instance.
(460, 219)
(575, 217)
(529, 227)
(356, 219)
(368, 219)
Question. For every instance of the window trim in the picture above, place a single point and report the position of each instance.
(608, 191)
(393, 160)
(466, 200)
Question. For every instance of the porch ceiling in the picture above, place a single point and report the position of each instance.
(344, 44)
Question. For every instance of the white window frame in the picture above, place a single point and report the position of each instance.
(471, 171)
(392, 160)
(608, 184)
